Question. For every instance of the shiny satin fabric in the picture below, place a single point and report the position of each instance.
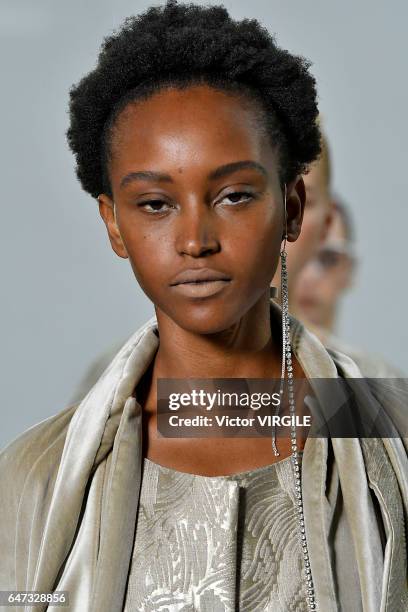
(69, 490)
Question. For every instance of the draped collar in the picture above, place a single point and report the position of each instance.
(91, 518)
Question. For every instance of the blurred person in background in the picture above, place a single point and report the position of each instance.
(321, 284)
(95, 370)
(327, 276)
(317, 218)
(326, 220)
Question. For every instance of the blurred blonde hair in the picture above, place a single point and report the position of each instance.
(324, 158)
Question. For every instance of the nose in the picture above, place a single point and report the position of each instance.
(196, 233)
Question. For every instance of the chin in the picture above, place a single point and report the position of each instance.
(204, 318)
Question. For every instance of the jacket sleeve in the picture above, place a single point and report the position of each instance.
(40, 445)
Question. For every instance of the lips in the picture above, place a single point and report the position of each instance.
(199, 275)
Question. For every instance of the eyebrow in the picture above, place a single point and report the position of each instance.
(220, 172)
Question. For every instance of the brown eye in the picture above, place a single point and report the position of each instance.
(329, 258)
(237, 197)
(154, 206)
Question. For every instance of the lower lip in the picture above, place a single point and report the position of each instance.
(201, 290)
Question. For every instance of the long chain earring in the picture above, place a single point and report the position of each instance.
(288, 368)
(286, 351)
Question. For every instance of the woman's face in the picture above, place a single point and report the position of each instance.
(196, 198)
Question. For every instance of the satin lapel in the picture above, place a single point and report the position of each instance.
(384, 483)
(317, 521)
(348, 454)
(361, 518)
(79, 571)
(119, 521)
(87, 434)
(384, 465)
(316, 363)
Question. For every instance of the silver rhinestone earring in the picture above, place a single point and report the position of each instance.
(287, 367)
(286, 353)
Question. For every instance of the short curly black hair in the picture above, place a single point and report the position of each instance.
(185, 44)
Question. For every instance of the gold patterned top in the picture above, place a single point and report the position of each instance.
(217, 544)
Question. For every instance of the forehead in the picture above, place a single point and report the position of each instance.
(186, 126)
(314, 179)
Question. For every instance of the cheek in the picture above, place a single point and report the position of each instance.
(307, 282)
(329, 288)
(253, 249)
(344, 277)
(148, 256)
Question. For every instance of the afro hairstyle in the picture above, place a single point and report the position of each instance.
(177, 45)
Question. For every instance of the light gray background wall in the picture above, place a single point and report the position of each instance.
(66, 296)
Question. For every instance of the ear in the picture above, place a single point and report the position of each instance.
(107, 212)
(295, 206)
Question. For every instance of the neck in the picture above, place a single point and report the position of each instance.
(245, 350)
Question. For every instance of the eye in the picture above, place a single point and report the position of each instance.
(154, 206)
(329, 258)
(237, 197)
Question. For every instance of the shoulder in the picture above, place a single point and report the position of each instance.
(317, 359)
(371, 365)
(28, 468)
(39, 446)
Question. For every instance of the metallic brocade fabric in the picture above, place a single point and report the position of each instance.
(216, 544)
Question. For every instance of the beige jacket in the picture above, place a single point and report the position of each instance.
(69, 490)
